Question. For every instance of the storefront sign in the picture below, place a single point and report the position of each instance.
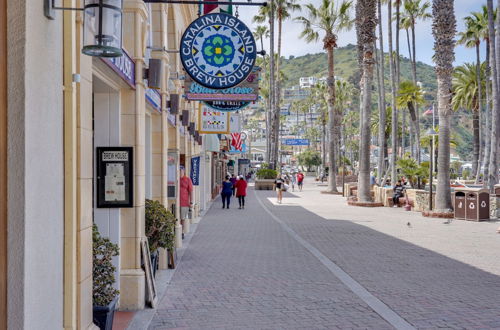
(233, 150)
(197, 92)
(218, 51)
(227, 106)
(124, 66)
(234, 123)
(114, 177)
(154, 98)
(195, 171)
(296, 142)
(213, 122)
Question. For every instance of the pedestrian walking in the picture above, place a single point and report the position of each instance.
(226, 192)
(241, 191)
(293, 180)
(300, 180)
(185, 197)
(279, 185)
(233, 182)
(399, 190)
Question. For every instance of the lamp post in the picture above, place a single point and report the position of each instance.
(431, 132)
(342, 153)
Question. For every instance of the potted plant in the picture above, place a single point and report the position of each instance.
(160, 230)
(265, 179)
(105, 296)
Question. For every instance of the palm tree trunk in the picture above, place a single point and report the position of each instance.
(409, 45)
(333, 126)
(487, 116)
(272, 155)
(398, 24)
(382, 110)
(392, 69)
(367, 25)
(475, 147)
(416, 123)
(444, 29)
(495, 112)
(479, 114)
(277, 94)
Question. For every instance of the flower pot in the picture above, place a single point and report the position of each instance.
(103, 315)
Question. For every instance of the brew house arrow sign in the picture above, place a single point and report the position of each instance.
(218, 51)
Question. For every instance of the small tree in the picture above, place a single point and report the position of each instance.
(309, 158)
(160, 226)
(103, 270)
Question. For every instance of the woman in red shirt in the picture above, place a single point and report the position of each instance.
(241, 191)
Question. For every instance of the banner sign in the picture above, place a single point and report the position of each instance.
(227, 106)
(243, 150)
(213, 122)
(218, 51)
(296, 142)
(154, 98)
(195, 171)
(124, 66)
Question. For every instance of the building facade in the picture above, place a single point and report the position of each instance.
(58, 106)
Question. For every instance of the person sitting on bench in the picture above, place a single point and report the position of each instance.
(399, 190)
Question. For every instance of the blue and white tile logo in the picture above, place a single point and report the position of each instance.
(218, 51)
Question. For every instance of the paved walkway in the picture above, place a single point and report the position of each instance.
(284, 267)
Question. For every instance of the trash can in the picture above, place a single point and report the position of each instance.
(477, 204)
(459, 204)
(496, 190)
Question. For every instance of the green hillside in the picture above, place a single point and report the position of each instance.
(346, 66)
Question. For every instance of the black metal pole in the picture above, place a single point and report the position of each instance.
(193, 2)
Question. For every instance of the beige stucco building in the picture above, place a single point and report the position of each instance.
(58, 106)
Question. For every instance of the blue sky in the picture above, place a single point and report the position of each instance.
(292, 45)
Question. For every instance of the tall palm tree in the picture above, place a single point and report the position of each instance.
(444, 30)
(495, 111)
(382, 102)
(394, 112)
(328, 20)
(467, 94)
(366, 23)
(261, 33)
(475, 27)
(282, 10)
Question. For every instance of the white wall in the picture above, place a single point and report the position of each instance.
(35, 164)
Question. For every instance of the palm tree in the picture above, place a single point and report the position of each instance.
(411, 97)
(476, 26)
(344, 92)
(281, 9)
(366, 24)
(394, 112)
(495, 63)
(381, 92)
(261, 33)
(467, 94)
(444, 30)
(329, 20)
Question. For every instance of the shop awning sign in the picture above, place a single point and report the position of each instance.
(213, 122)
(218, 51)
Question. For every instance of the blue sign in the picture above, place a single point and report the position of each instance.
(296, 142)
(232, 150)
(154, 98)
(195, 171)
(124, 66)
(218, 51)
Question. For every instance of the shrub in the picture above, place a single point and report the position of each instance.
(309, 158)
(103, 270)
(266, 173)
(160, 226)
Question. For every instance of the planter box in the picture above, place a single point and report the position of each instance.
(103, 315)
(264, 184)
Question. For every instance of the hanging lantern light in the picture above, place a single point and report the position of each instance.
(102, 34)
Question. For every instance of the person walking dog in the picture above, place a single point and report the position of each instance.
(226, 192)
(241, 191)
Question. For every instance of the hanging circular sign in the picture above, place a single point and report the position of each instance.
(218, 51)
(227, 106)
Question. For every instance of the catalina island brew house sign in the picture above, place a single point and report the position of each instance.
(218, 51)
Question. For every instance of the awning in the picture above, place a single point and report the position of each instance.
(211, 143)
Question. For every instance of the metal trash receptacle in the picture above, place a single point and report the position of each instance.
(477, 204)
(459, 205)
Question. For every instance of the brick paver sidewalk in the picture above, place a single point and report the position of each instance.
(243, 270)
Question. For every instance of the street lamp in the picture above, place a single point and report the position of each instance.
(102, 26)
(342, 155)
(432, 133)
